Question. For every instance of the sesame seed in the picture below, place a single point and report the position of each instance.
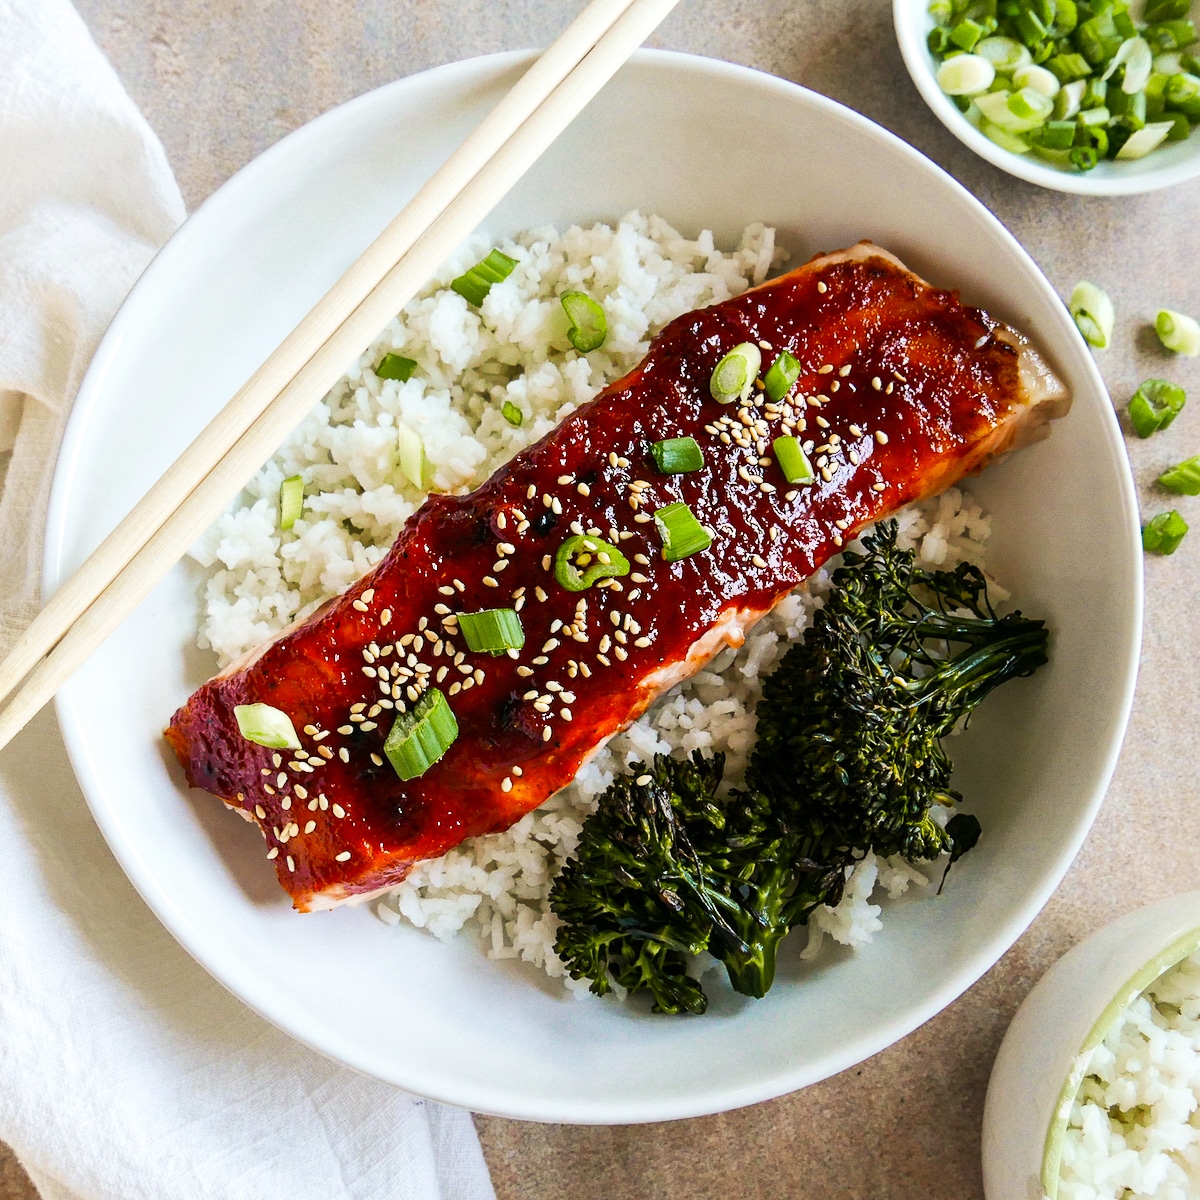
(837, 539)
(531, 491)
(501, 521)
(642, 641)
(376, 759)
(280, 779)
(441, 609)
(260, 812)
(291, 862)
(981, 342)
(339, 811)
(524, 672)
(621, 654)
(876, 382)
(822, 287)
(273, 852)
(827, 369)
(360, 606)
(603, 659)
(488, 581)
(343, 857)
(879, 487)
(547, 734)
(446, 590)
(881, 437)
(309, 826)
(759, 561)
(506, 784)
(891, 387)
(301, 792)
(583, 489)
(344, 754)
(844, 371)
(643, 780)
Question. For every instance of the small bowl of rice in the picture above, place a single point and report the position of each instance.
(1095, 1093)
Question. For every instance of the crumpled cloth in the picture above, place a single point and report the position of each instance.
(126, 1072)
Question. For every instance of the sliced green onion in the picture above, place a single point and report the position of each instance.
(1154, 406)
(492, 631)
(1094, 118)
(589, 326)
(1083, 157)
(1005, 54)
(735, 374)
(474, 285)
(511, 413)
(1163, 533)
(682, 535)
(783, 372)
(1029, 27)
(1142, 141)
(1181, 127)
(1178, 332)
(1167, 10)
(1006, 141)
(420, 737)
(1183, 478)
(1037, 78)
(1029, 105)
(396, 366)
(676, 456)
(1183, 93)
(1169, 35)
(966, 34)
(1093, 313)
(291, 501)
(1068, 100)
(965, 75)
(1069, 68)
(793, 462)
(1095, 92)
(414, 466)
(1056, 135)
(266, 726)
(582, 560)
(1170, 63)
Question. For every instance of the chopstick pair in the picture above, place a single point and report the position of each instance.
(156, 533)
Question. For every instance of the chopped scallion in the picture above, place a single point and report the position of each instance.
(1093, 313)
(1037, 78)
(492, 631)
(1154, 406)
(474, 285)
(780, 376)
(1178, 332)
(420, 737)
(682, 535)
(1142, 141)
(1005, 54)
(676, 456)
(589, 326)
(582, 560)
(1183, 478)
(396, 366)
(291, 501)
(793, 462)
(414, 466)
(965, 75)
(266, 726)
(735, 374)
(511, 413)
(1163, 533)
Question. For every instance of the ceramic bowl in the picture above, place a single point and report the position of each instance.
(1044, 1055)
(443, 1020)
(1166, 166)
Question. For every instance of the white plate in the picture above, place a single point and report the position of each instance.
(705, 144)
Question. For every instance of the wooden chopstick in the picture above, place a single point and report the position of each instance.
(193, 492)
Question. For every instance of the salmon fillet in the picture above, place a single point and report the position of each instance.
(902, 390)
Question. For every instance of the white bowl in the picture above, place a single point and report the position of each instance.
(1175, 163)
(441, 1019)
(1044, 1055)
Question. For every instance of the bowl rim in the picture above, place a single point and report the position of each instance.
(886, 1033)
(1084, 183)
(1158, 964)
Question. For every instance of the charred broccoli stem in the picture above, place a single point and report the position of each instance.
(848, 760)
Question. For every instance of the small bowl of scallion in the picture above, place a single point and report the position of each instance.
(1099, 97)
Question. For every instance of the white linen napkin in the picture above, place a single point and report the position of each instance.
(126, 1072)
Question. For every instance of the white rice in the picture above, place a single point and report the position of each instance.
(1134, 1129)
(470, 361)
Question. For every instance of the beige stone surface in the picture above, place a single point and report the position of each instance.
(220, 80)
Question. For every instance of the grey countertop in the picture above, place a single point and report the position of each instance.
(221, 80)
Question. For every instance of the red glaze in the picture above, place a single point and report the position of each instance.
(947, 385)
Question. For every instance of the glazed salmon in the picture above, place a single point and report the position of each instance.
(902, 391)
